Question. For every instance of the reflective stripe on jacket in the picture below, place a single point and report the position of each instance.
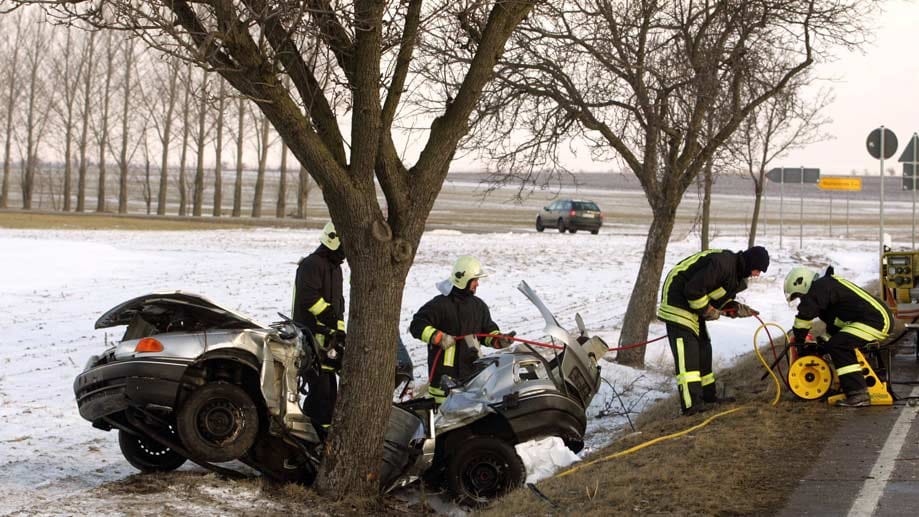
(710, 277)
(844, 307)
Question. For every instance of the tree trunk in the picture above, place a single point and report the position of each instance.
(707, 181)
(86, 114)
(218, 151)
(148, 189)
(642, 306)
(238, 185)
(198, 197)
(103, 137)
(183, 155)
(166, 138)
(13, 90)
(262, 163)
(125, 119)
(303, 193)
(372, 322)
(282, 185)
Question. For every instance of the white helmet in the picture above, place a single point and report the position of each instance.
(465, 269)
(798, 282)
(329, 237)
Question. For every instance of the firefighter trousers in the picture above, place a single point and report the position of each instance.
(692, 359)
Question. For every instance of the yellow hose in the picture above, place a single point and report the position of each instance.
(652, 442)
(778, 385)
(778, 394)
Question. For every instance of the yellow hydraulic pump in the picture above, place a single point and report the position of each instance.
(811, 376)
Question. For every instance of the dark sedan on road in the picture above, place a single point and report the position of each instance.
(571, 215)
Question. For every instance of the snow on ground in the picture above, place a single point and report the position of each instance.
(54, 284)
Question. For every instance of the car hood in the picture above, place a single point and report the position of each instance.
(194, 304)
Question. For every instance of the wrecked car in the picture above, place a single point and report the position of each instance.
(191, 380)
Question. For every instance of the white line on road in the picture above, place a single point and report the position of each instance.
(873, 488)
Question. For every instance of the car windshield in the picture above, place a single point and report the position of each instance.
(586, 205)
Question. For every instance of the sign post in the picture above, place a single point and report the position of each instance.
(800, 175)
(911, 155)
(882, 144)
(845, 183)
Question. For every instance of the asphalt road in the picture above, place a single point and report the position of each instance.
(870, 467)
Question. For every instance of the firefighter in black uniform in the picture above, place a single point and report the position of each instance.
(853, 318)
(447, 316)
(701, 288)
(319, 304)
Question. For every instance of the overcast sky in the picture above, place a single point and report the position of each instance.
(880, 87)
(877, 87)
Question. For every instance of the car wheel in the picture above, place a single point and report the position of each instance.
(595, 231)
(539, 226)
(146, 454)
(483, 468)
(561, 225)
(573, 230)
(218, 422)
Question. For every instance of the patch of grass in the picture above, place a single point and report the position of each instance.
(743, 463)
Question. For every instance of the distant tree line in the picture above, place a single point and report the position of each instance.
(93, 121)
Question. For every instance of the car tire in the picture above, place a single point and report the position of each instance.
(561, 226)
(573, 230)
(483, 468)
(594, 232)
(539, 226)
(218, 422)
(146, 454)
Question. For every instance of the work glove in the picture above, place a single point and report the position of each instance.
(445, 341)
(734, 309)
(503, 340)
(711, 314)
(799, 336)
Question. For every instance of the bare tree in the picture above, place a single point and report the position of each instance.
(186, 133)
(124, 155)
(200, 142)
(641, 81)
(240, 146)
(68, 70)
(163, 121)
(12, 44)
(263, 142)
(358, 76)
(87, 105)
(303, 192)
(281, 205)
(102, 132)
(218, 148)
(39, 100)
(788, 121)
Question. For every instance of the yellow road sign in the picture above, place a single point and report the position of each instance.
(839, 183)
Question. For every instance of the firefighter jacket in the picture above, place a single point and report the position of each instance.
(456, 314)
(710, 277)
(319, 302)
(844, 307)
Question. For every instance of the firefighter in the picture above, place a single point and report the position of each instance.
(456, 313)
(853, 318)
(319, 305)
(701, 288)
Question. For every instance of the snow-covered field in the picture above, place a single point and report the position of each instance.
(54, 284)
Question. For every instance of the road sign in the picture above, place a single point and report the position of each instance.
(911, 153)
(793, 175)
(874, 143)
(839, 183)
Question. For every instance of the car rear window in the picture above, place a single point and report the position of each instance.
(586, 205)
